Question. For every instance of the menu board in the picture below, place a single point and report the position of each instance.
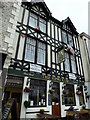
(7, 109)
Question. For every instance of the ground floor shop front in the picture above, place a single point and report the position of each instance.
(50, 97)
(37, 95)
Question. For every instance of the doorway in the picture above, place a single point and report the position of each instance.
(14, 93)
(56, 99)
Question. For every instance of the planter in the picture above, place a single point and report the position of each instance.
(78, 92)
(26, 89)
(41, 111)
(26, 104)
(64, 91)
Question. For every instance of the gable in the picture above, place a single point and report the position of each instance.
(67, 24)
(40, 7)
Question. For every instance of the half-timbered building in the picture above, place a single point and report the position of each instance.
(45, 71)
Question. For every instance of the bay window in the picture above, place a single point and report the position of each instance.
(37, 96)
(30, 54)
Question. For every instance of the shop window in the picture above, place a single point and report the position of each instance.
(81, 97)
(68, 97)
(37, 96)
(30, 54)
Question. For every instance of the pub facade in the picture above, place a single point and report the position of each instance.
(45, 72)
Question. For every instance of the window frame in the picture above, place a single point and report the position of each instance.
(36, 52)
(36, 89)
(74, 100)
(67, 58)
(39, 19)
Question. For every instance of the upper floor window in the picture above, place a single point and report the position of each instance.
(67, 38)
(36, 21)
(70, 40)
(35, 52)
(41, 48)
(33, 20)
(30, 49)
(67, 63)
(64, 37)
(73, 64)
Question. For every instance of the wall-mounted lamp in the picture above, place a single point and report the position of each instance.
(28, 81)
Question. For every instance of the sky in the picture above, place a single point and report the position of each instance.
(76, 10)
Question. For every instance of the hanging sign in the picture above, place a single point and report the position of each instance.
(61, 56)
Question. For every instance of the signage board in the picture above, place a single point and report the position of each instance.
(35, 68)
(72, 76)
(61, 56)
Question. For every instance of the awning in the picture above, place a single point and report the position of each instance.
(14, 82)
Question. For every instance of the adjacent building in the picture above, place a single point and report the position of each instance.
(45, 70)
(84, 41)
(9, 12)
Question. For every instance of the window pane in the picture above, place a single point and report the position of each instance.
(55, 95)
(41, 53)
(81, 97)
(67, 63)
(33, 20)
(70, 40)
(68, 97)
(42, 24)
(38, 95)
(64, 37)
(30, 50)
(73, 64)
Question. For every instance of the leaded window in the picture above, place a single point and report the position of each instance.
(41, 48)
(73, 64)
(30, 49)
(64, 37)
(67, 63)
(36, 21)
(70, 40)
(35, 53)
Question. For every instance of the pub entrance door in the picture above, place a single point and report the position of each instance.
(56, 99)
